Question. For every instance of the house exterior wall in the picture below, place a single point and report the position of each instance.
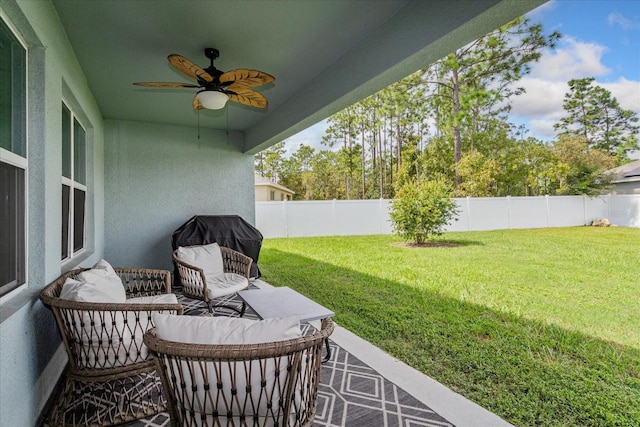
(31, 354)
(157, 177)
(263, 194)
(627, 187)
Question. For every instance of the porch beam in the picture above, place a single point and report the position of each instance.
(417, 35)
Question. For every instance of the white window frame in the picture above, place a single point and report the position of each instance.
(74, 185)
(18, 161)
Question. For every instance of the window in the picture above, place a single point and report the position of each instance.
(272, 195)
(13, 160)
(74, 184)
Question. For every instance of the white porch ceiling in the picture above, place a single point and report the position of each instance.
(325, 55)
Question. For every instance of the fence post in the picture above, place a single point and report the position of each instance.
(509, 212)
(334, 217)
(546, 198)
(286, 218)
(468, 213)
(381, 216)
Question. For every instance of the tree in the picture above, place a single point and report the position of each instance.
(477, 174)
(580, 168)
(328, 178)
(595, 115)
(268, 163)
(342, 128)
(295, 172)
(475, 82)
(421, 209)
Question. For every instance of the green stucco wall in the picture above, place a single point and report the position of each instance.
(157, 177)
(31, 356)
(144, 180)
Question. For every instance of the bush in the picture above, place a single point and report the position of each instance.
(421, 210)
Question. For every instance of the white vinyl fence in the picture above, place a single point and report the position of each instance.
(360, 217)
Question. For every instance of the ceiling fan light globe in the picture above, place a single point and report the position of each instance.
(212, 99)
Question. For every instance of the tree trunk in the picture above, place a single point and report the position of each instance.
(347, 140)
(378, 142)
(363, 164)
(456, 125)
(399, 148)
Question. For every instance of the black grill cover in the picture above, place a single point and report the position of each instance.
(230, 231)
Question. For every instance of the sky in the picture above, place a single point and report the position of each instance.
(600, 39)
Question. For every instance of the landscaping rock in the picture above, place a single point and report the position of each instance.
(601, 223)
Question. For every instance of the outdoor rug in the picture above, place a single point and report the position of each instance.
(351, 393)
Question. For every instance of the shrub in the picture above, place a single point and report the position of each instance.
(421, 210)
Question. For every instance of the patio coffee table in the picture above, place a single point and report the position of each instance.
(284, 301)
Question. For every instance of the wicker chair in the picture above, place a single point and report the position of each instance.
(194, 281)
(270, 384)
(110, 378)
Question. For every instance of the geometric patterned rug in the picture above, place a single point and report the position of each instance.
(353, 394)
(350, 393)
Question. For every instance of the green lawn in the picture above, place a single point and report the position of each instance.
(541, 327)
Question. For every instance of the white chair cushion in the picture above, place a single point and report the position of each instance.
(230, 379)
(225, 284)
(100, 284)
(206, 257)
(225, 330)
(114, 338)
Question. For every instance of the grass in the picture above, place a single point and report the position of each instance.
(541, 327)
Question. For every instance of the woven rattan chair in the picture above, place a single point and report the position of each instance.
(110, 378)
(194, 281)
(271, 384)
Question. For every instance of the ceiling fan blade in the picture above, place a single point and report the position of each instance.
(165, 84)
(197, 105)
(248, 97)
(189, 68)
(246, 78)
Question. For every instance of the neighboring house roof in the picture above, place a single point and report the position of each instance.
(625, 173)
(262, 181)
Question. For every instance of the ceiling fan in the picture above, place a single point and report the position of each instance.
(217, 86)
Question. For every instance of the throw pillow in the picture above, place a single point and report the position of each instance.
(78, 290)
(206, 257)
(105, 281)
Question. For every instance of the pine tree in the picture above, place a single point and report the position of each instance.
(595, 115)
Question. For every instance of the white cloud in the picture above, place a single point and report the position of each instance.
(542, 99)
(542, 128)
(627, 92)
(572, 59)
(617, 18)
(540, 107)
